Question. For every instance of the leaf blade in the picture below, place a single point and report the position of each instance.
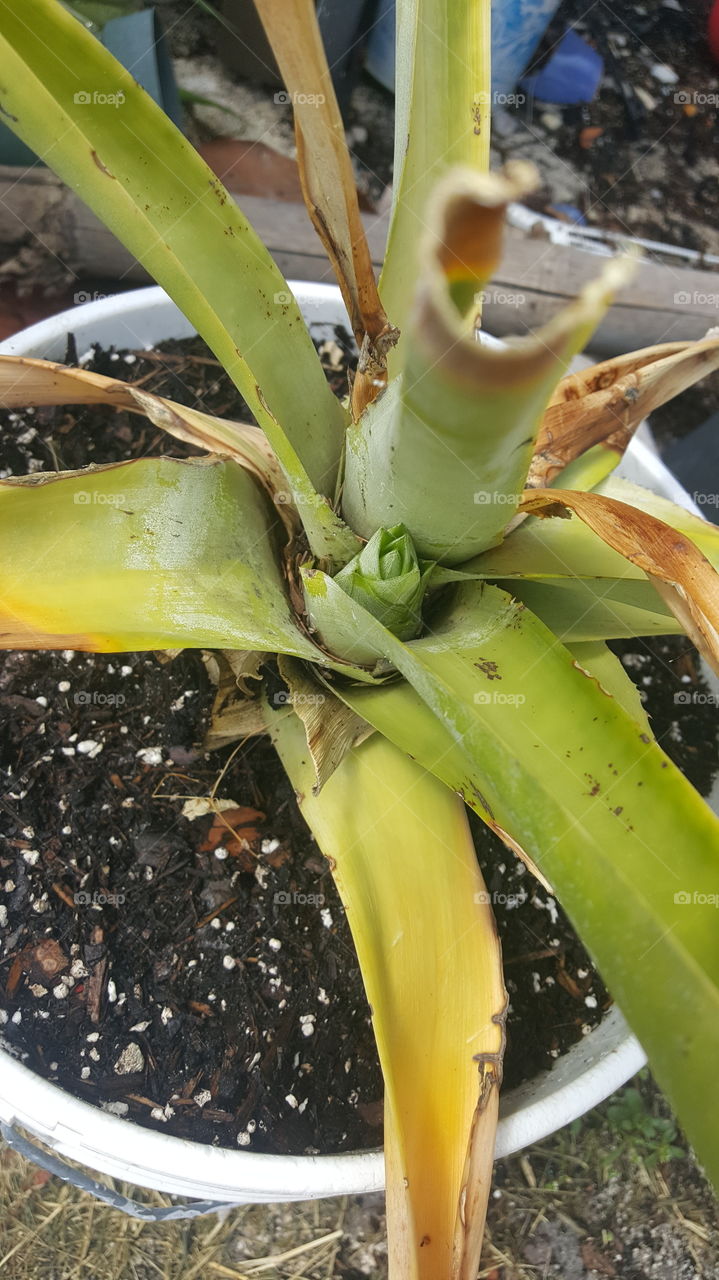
(604, 404)
(683, 575)
(436, 992)
(592, 801)
(152, 189)
(447, 449)
(442, 55)
(328, 181)
(158, 553)
(26, 381)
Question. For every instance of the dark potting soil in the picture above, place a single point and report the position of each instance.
(160, 968)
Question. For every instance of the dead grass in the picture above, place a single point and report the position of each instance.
(52, 1231)
(597, 1200)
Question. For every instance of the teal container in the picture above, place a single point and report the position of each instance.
(138, 42)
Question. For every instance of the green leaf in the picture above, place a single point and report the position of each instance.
(580, 587)
(389, 580)
(24, 381)
(599, 661)
(681, 573)
(447, 449)
(403, 861)
(442, 105)
(549, 550)
(555, 762)
(606, 609)
(588, 470)
(74, 104)
(153, 554)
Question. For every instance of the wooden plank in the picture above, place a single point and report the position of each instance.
(48, 234)
(662, 303)
(45, 230)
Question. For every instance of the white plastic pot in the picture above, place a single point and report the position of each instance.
(578, 1081)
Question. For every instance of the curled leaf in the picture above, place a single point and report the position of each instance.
(604, 404)
(684, 577)
(472, 210)
(388, 579)
(26, 381)
(447, 449)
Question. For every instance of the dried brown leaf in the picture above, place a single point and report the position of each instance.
(26, 381)
(328, 183)
(604, 404)
(676, 566)
(332, 728)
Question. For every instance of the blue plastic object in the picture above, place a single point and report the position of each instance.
(570, 75)
(517, 28)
